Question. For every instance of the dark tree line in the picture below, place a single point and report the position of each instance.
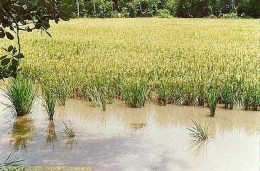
(149, 8)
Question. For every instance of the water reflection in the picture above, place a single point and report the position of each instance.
(22, 132)
(137, 126)
(148, 138)
(69, 143)
(199, 148)
(51, 134)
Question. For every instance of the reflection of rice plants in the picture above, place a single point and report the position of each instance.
(22, 132)
(11, 165)
(50, 100)
(69, 143)
(21, 94)
(199, 148)
(198, 132)
(51, 137)
(70, 134)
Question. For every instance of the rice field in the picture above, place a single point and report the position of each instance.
(169, 61)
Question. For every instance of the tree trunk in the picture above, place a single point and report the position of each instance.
(94, 6)
(78, 7)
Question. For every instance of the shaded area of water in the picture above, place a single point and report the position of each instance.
(121, 138)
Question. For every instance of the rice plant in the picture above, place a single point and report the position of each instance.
(179, 99)
(163, 91)
(179, 96)
(103, 102)
(201, 95)
(199, 132)
(228, 95)
(240, 89)
(21, 94)
(69, 130)
(247, 98)
(50, 100)
(94, 96)
(176, 51)
(256, 98)
(110, 91)
(62, 92)
(212, 99)
(191, 94)
(135, 93)
(97, 93)
(192, 99)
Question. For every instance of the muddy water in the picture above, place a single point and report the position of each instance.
(121, 138)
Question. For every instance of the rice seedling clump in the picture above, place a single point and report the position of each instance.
(21, 94)
(49, 99)
(199, 132)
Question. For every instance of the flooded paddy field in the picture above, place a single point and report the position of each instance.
(179, 61)
(121, 138)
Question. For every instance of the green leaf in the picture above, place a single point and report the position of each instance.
(11, 28)
(14, 51)
(48, 33)
(22, 21)
(37, 26)
(5, 61)
(28, 29)
(14, 62)
(2, 34)
(3, 57)
(46, 25)
(13, 73)
(56, 20)
(10, 48)
(9, 36)
(19, 56)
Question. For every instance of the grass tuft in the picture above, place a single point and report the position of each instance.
(212, 99)
(50, 100)
(135, 93)
(163, 91)
(199, 132)
(21, 94)
(62, 92)
(69, 130)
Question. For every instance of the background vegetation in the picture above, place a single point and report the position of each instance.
(163, 8)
